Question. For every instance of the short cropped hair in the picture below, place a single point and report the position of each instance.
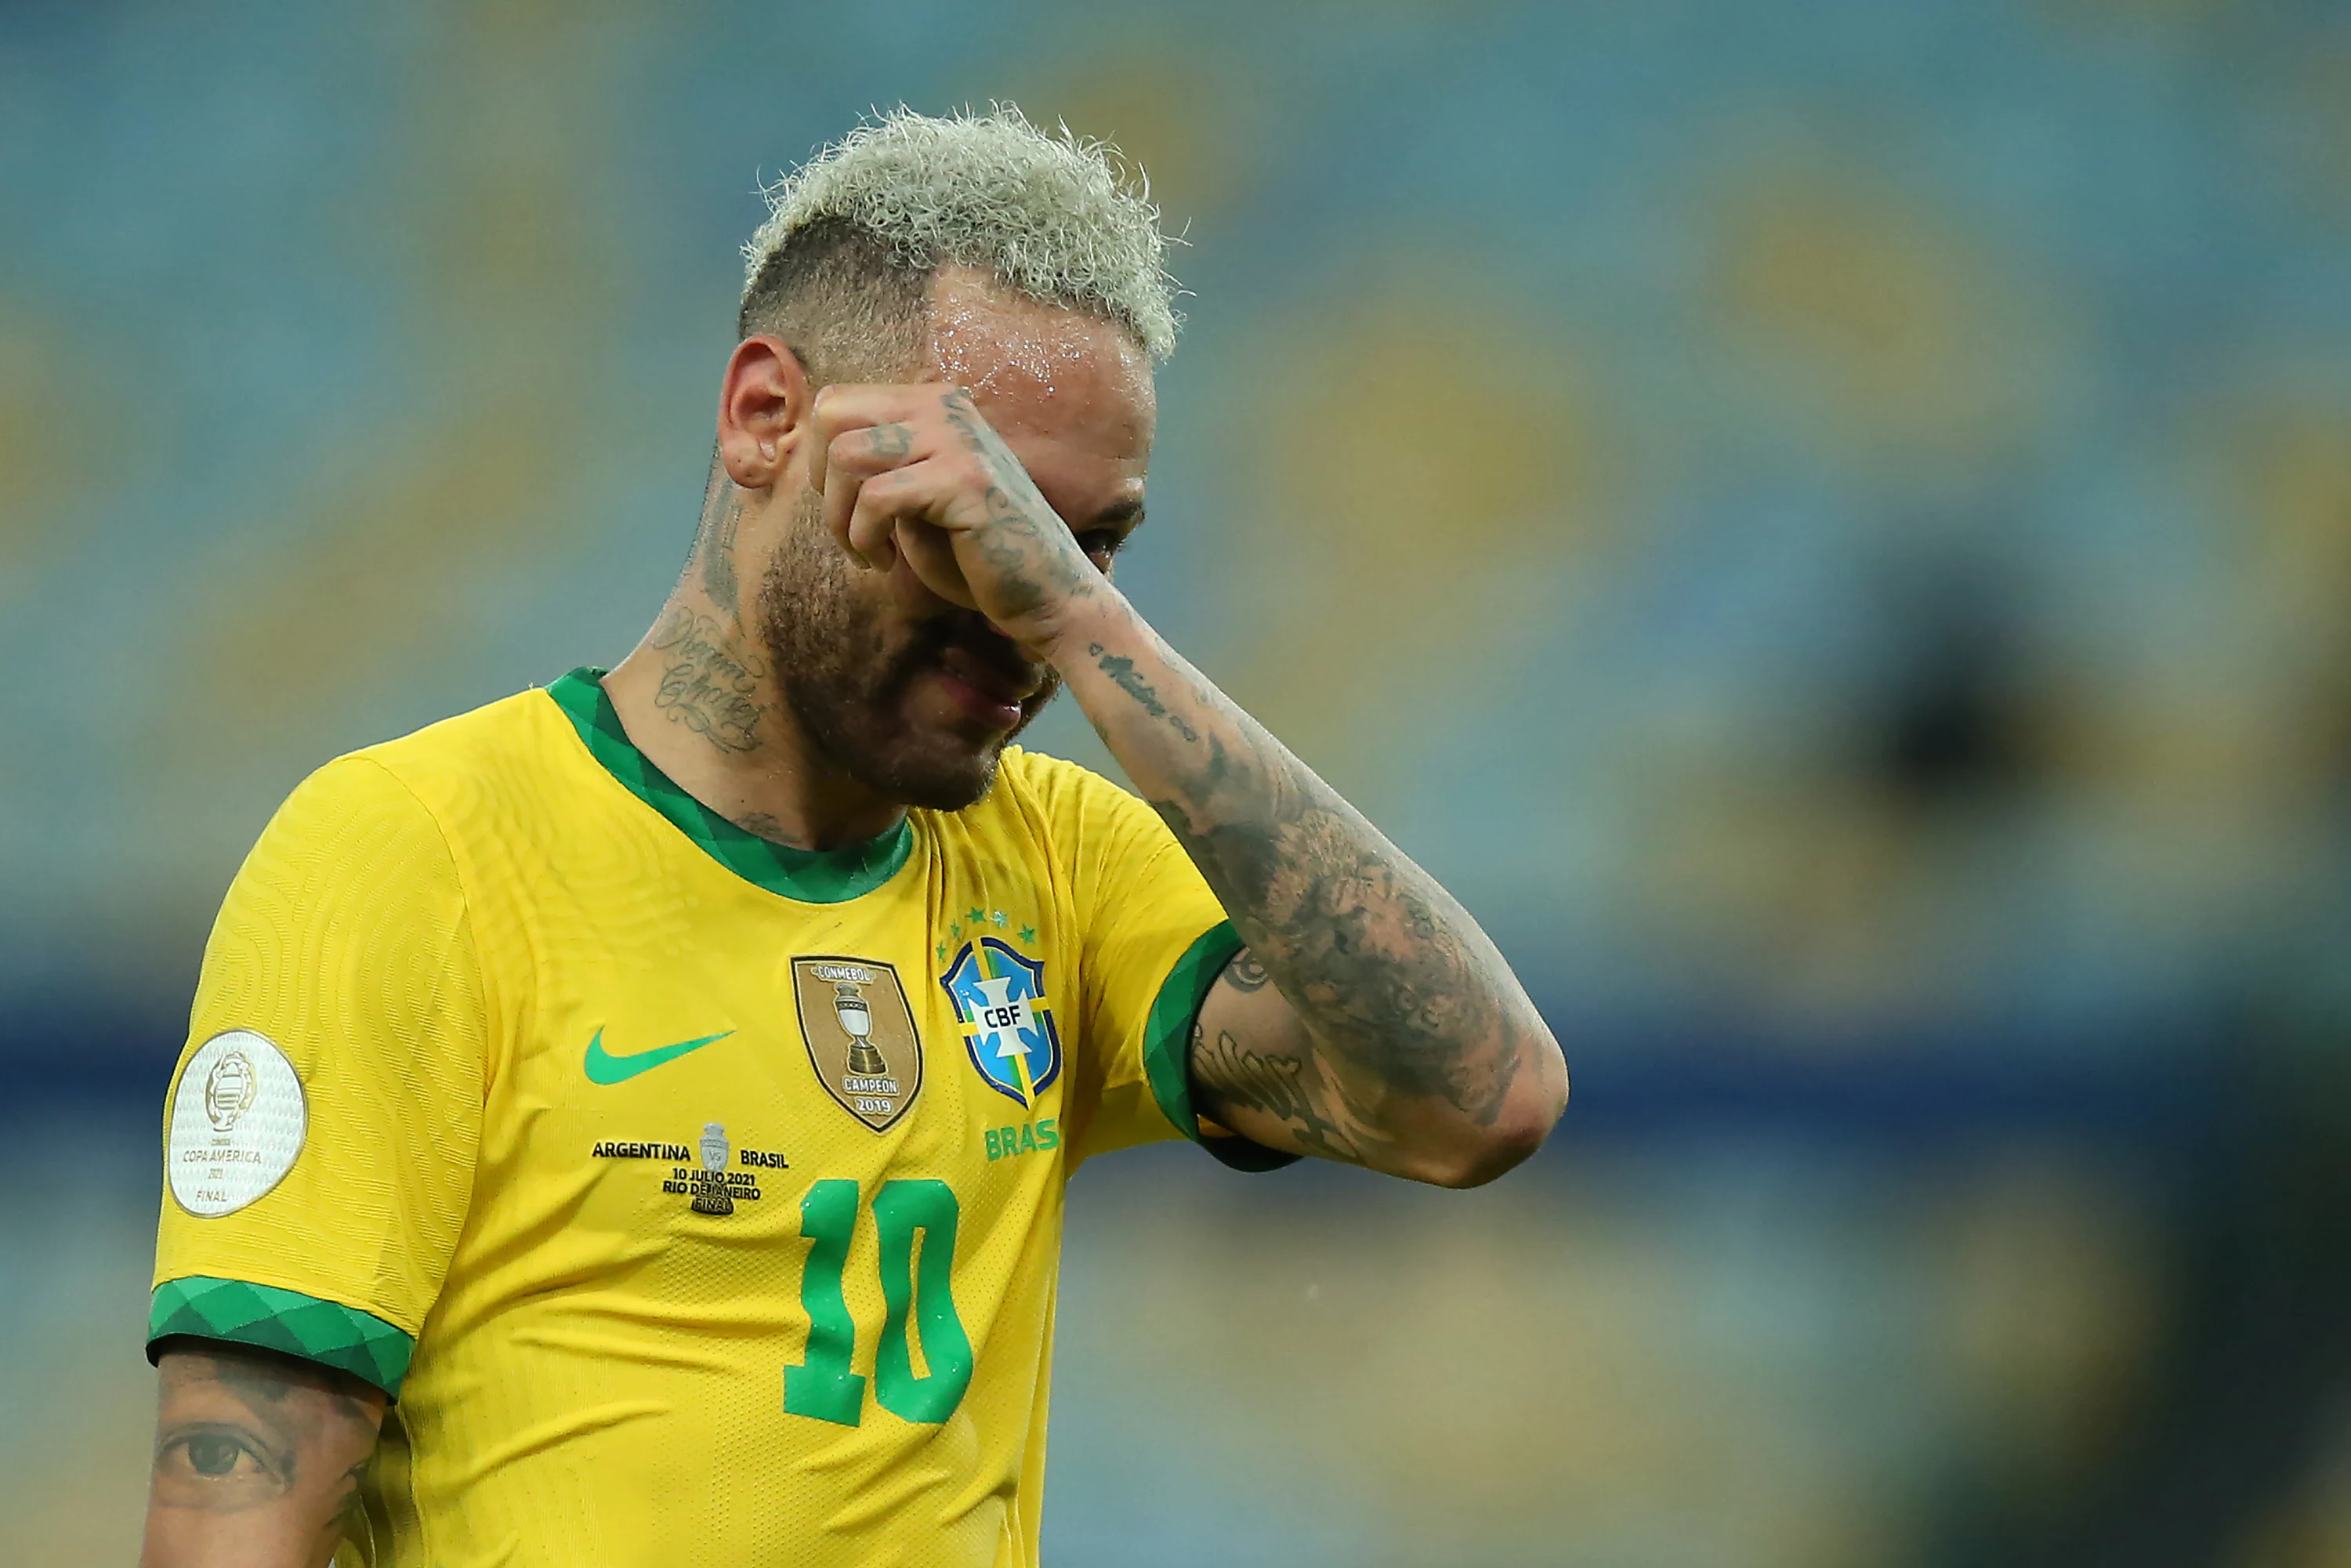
(841, 269)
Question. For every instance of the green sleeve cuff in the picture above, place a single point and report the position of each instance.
(267, 1318)
(1167, 1048)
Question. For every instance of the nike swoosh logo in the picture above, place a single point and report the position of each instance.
(605, 1067)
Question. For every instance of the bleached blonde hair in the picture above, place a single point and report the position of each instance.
(1051, 216)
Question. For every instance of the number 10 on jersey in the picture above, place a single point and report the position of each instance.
(822, 1386)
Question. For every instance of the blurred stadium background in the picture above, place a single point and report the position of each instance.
(1828, 524)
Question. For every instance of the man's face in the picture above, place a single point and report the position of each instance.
(910, 695)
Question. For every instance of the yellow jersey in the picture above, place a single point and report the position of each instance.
(692, 1195)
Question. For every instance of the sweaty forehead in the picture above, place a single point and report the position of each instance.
(1042, 368)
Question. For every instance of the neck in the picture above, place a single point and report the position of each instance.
(699, 698)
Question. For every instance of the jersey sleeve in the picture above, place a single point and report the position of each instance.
(320, 1131)
(1153, 941)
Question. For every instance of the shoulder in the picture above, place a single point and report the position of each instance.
(1097, 829)
(483, 775)
(1054, 783)
(405, 803)
(502, 744)
(1066, 803)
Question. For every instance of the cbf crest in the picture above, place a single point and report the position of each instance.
(861, 1036)
(999, 998)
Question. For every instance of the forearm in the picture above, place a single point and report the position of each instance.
(1415, 1017)
(1415, 1032)
(258, 1458)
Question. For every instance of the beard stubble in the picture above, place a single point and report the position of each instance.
(846, 665)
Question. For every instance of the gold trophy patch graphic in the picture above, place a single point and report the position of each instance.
(861, 1036)
(710, 1193)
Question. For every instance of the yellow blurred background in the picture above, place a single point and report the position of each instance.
(1828, 524)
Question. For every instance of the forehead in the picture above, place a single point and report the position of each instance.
(1041, 370)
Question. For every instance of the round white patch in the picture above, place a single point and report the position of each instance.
(237, 1121)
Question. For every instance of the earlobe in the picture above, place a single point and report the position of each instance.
(750, 467)
(762, 403)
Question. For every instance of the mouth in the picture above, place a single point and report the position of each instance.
(993, 691)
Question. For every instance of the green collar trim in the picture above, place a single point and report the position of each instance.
(810, 876)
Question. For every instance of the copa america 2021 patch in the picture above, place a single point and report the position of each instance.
(237, 1121)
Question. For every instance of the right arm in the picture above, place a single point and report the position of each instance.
(343, 956)
(258, 1458)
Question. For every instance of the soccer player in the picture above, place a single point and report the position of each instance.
(627, 1123)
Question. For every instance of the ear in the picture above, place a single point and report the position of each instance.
(763, 405)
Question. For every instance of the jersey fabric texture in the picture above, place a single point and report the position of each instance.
(690, 1195)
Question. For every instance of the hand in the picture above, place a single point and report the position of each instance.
(913, 475)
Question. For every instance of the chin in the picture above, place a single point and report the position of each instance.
(951, 769)
(946, 789)
(947, 774)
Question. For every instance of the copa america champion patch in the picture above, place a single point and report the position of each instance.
(237, 1121)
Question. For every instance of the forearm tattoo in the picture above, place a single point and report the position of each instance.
(1379, 963)
(1122, 674)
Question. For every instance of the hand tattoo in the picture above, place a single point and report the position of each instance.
(1031, 552)
(709, 684)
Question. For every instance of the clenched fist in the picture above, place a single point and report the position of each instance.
(916, 472)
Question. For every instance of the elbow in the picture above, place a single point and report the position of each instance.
(1492, 1153)
(1480, 1152)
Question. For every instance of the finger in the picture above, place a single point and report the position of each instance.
(847, 405)
(840, 407)
(839, 495)
(854, 462)
(928, 551)
(882, 503)
(870, 449)
(819, 440)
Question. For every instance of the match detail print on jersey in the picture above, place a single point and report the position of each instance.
(238, 1119)
(861, 1036)
(699, 1170)
(1008, 1028)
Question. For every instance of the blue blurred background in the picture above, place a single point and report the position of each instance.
(1828, 524)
